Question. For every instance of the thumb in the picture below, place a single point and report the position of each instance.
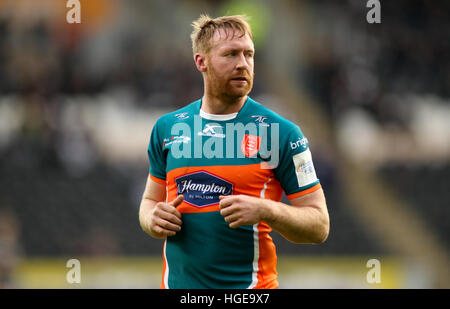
(222, 197)
(177, 201)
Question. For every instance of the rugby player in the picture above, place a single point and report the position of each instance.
(218, 169)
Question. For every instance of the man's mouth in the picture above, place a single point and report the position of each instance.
(242, 79)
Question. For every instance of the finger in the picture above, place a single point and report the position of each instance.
(235, 224)
(171, 217)
(177, 201)
(231, 218)
(163, 232)
(227, 211)
(167, 207)
(222, 197)
(167, 225)
(234, 221)
(225, 202)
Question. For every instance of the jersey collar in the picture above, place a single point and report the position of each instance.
(221, 117)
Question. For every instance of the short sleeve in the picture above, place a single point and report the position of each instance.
(295, 171)
(156, 155)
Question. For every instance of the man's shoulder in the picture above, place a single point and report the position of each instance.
(180, 114)
(264, 114)
(289, 133)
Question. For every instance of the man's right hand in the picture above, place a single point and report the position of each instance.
(165, 220)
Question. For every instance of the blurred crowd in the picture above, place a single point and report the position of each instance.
(356, 66)
(365, 65)
(381, 83)
(43, 63)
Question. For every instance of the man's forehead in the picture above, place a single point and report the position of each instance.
(231, 36)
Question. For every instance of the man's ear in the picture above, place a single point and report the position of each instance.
(200, 62)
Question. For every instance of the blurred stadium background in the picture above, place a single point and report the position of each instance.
(78, 101)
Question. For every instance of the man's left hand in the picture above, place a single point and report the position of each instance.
(240, 210)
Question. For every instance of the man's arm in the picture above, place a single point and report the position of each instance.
(158, 218)
(305, 221)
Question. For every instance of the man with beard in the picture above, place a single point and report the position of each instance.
(215, 212)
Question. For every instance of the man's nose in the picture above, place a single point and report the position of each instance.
(242, 62)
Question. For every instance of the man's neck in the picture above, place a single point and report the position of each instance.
(214, 105)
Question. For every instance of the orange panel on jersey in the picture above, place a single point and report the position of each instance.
(251, 178)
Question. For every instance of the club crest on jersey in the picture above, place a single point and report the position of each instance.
(202, 189)
(250, 145)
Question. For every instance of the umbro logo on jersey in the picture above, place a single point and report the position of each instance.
(209, 130)
(182, 116)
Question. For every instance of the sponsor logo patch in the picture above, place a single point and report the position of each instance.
(300, 142)
(202, 189)
(260, 119)
(175, 140)
(304, 168)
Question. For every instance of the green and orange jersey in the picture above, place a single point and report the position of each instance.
(198, 155)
